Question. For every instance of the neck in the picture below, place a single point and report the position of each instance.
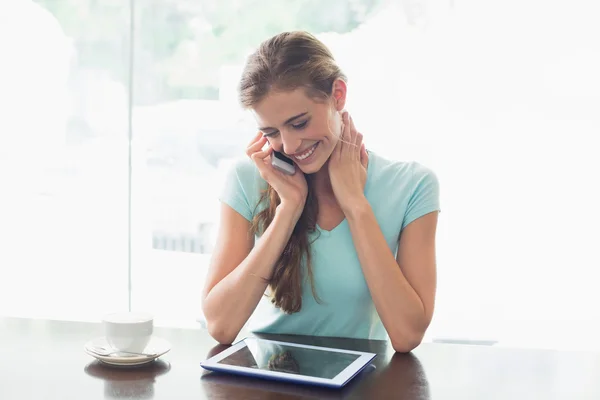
(322, 183)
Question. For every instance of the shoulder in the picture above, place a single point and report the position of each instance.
(406, 188)
(242, 186)
(398, 174)
(422, 174)
(243, 167)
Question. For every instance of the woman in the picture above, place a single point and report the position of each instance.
(346, 245)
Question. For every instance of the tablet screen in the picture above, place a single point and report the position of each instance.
(270, 356)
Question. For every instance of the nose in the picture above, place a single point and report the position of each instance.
(290, 144)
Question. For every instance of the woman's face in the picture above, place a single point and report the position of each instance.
(296, 125)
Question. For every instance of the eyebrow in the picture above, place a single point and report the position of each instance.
(286, 122)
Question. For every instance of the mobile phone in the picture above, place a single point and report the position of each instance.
(283, 163)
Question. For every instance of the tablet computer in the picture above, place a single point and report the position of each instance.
(292, 362)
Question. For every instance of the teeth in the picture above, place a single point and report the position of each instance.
(306, 154)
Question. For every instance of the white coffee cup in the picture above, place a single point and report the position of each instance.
(128, 331)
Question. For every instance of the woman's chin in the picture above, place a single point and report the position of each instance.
(311, 168)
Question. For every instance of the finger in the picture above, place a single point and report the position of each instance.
(256, 146)
(353, 131)
(346, 121)
(356, 139)
(336, 150)
(258, 135)
(262, 154)
(358, 142)
(345, 133)
(269, 150)
(364, 156)
(263, 167)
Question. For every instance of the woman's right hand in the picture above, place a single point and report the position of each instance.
(292, 189)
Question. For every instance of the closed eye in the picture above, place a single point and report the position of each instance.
(301, 125)
(297, 127)
(270, 134)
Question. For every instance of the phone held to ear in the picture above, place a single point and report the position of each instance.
(283, 163)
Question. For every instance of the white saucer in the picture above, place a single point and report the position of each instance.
(156, 346)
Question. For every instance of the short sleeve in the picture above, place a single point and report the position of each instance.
(241, 189)
(425, 196)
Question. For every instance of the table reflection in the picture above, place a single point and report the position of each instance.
(128, 382)
(402, 378)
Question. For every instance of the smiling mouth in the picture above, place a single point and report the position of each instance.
(304, 155)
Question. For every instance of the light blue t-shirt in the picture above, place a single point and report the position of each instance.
(399, 193)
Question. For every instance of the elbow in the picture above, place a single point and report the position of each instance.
(217, 329)
(406, 343)
(405, 347)
(220, 333)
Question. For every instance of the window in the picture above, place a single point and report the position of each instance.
(63, 158)
(500, 99)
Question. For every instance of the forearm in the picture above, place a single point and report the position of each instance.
(232, 301)
(398, 304)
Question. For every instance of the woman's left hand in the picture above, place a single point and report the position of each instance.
(348, 166)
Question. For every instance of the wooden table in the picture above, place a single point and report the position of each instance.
(42, 359)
